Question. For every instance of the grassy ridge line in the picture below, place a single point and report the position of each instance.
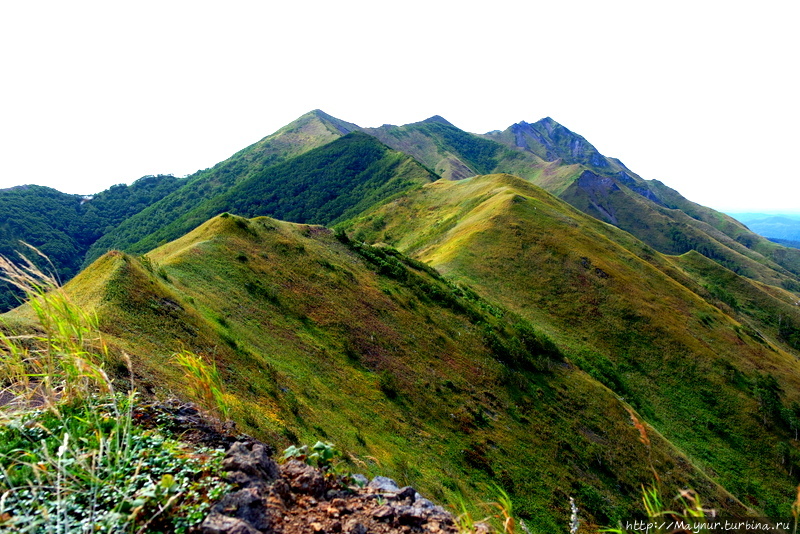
(626, 314)
(310, 131)
(322, 185)
(786, 258)
(64, 226)
(653, 212)
(419, 379)
(761, 307)
(673, 232)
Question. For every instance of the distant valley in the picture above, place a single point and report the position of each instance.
(781, 228)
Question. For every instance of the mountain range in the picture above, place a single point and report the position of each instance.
(776, 227)
(456, 310)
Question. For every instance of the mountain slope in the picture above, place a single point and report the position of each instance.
(565, 164)
(319, 337)
(64, 226)
(312, 130)
(545, 153)
(323, 185)
(658, 215)
(627, 315)
(437, 144)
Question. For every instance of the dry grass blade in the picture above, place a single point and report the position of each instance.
(643, 437)
(27, 276)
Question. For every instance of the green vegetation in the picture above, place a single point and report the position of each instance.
(629, 317)
(88, 466)
(310, 131)
(322, 186)
(324, 454)
(479, 339)
(64, 226)
(418, 377)
(71, 459)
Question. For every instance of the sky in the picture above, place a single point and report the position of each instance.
(701, 95)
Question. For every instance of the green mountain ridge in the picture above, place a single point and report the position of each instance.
(681, 343)
(565, 164)
(64, 226)
(323, 185)
(544, 152)
(310, 131)
(317, 336)
(512, 308)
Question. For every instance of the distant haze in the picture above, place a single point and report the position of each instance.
(701, 96)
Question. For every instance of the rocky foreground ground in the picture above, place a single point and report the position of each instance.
(294, 497)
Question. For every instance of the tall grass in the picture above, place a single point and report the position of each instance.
(71, 459)
(204, 383)
(60, 361)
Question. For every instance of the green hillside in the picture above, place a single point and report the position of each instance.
(567, 165)
(458, 328)
(312, 130)
(64, 226)
(657, 335)
(658, 215)
(322, 186)
(420, 379)
(545, 153)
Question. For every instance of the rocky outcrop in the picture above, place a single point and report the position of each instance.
(296, 498)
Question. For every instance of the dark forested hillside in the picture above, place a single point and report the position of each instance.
(322, 186)
(312, 130)
(64, 226)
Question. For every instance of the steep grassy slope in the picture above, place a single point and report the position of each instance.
(64, 226)
(658, 215)
(567, 165)
(312, 130)
(545, 153)
(720, 389)
(319, 337)
(673, 230)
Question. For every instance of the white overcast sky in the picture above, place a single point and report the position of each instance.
(702, 95)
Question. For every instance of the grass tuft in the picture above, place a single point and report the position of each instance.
(204, 382)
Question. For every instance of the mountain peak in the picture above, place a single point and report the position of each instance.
(437, 119)
(343, 127)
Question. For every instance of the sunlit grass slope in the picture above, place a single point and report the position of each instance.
(568, 166)
(319, 337)
(721, 389)
(674, 231)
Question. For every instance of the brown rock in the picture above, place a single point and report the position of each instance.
(353, 526)
(383, 513)
(248, 464)
(217, 523)
(303, 478)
